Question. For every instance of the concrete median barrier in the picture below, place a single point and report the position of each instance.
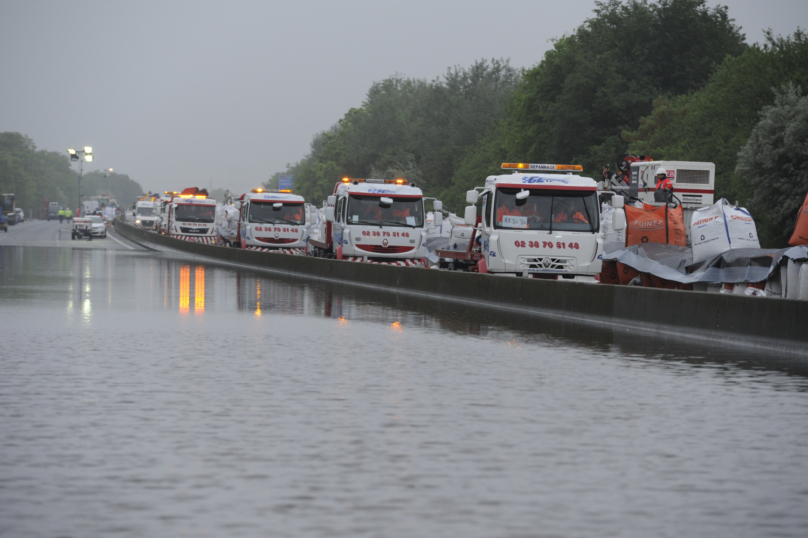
(773, 325)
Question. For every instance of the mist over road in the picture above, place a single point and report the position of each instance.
(43, 233)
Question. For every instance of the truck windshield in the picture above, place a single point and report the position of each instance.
(194, 213)
(544, 209)
(145, 211)
(288, 213)
(371, 211)
(7, 202)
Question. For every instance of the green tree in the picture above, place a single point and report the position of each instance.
(774, 164)
(714, 123)
(33, 175)
(599, 81)
(119, 186)
(409, 128)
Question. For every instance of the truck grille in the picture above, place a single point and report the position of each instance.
(272, 241)
(378, 249)
(546, 264)
(696, 177)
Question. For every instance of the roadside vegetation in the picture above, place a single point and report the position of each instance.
(673, 79)
(35, 175)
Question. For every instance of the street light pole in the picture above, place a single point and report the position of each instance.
(87, 154)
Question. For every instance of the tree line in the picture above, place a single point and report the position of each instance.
(38, 175)
(674, 79)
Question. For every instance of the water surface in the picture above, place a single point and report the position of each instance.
(145, 395)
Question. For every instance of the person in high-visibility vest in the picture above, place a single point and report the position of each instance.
(68, 214)
(61, 214)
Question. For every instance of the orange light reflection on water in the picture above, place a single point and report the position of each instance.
(396, 326)
(199, 290)
(258, 298)
(185, 288)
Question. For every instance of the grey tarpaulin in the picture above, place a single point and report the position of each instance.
(676, 263)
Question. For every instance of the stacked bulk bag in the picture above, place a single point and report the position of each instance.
(651, 224)
(800, 235)
(719, 228)
(614, 238)
(794, 278)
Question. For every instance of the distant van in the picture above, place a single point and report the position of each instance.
(53, 210)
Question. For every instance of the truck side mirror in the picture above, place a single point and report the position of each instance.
(332, 200)
(437, 205)
(437, 220)
(618, 202)
(471, 197)
(619, 220)
(237, 205)
(329, 214)
(470, 216)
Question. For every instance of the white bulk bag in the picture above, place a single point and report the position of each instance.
(719, 228)
(802, 292)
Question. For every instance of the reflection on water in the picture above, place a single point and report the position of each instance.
(302, 408)
(185, 288)
(199, 289)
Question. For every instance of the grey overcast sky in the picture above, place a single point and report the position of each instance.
(201, 93)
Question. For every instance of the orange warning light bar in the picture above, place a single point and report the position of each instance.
(530, 166)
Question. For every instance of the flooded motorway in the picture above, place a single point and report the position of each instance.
(145, 394)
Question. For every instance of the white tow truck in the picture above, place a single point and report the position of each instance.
(147, 214)
(272, 221)
(538, 221)
(375, 221)
(189, 215)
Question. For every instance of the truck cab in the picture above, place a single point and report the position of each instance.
(539, 220)
(147, 214)
(374, 220)
(8, 203)
(273, 220)
(189, 215)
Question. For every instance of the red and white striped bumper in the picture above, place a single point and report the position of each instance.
(205, 239)
(399, 263)
(292, 251)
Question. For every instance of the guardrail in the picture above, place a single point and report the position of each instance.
(777, 326)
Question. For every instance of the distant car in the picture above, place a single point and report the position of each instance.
(20, 214)
(89, 227)
(99, 226)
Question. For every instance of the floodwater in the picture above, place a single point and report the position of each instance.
(149, 395)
